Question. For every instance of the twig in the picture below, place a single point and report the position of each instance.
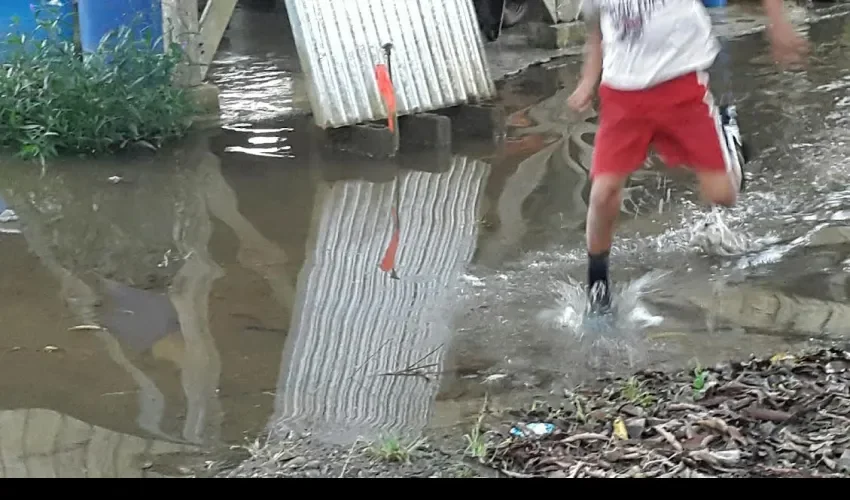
(348, 458)
(576, 470)
(832, 415)
(669, 438)
(516, 474)
(586, 436)
(415, 369)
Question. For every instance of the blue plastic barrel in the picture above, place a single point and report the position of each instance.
(22, 17)
(99, 18)
(714, 3)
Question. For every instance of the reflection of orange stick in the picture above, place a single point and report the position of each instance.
(385, 87)
(388, 262)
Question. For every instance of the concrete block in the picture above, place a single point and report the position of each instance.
(428, 130)
(477, 121)
(556, 36)
(373, 140)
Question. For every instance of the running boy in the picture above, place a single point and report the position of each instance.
(652, 57)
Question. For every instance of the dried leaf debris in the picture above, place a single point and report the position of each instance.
(780, 417)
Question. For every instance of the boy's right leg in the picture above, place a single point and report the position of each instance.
(603, 210)
(620, 147)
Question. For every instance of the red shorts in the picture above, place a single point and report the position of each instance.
(677, 118)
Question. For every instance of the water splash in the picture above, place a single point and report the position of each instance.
(612, 342)
(714, 236)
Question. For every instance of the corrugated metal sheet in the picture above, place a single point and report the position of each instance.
(438, 56)
(41, 443)
(353, 322)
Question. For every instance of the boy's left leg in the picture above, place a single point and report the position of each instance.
(694, 132)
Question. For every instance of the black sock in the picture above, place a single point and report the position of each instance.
(597, 268)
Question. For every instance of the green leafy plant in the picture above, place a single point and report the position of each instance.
(56, 101)
(700, 377)
(632, 390)
(393, 449)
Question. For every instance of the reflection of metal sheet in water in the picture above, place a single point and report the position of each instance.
(138, 318)
(353, 321)
(40, 443)
(438, 55)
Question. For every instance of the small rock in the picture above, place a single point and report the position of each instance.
(313, 464)
(633, 411)
(296, 463)
(598, 415)
(835, 367)
(558, 474)
(635, 427)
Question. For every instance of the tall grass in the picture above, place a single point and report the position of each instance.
(55, 101)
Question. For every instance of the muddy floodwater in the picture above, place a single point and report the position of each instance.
(160, 307)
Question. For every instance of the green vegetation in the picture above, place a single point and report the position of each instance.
(477, 445)
(54, 101)
(700, 377)
(392, 449)
(632, 391)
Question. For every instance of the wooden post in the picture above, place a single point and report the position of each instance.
(181, 25)
(199, 35)
(213, 22)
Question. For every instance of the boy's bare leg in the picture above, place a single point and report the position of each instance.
(717, 188)
(602, 213)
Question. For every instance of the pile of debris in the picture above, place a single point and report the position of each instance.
(787, 416)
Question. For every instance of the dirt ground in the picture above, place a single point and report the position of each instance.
(786, 416)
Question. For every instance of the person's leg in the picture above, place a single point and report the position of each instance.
(692, 133)
(620, 148)
(602, 213)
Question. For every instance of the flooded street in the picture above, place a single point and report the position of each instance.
(165, 306)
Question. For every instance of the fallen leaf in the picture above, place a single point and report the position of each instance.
(780, 357)
(620, 430)
(844, 461)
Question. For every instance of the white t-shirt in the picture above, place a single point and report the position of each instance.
(647, 42)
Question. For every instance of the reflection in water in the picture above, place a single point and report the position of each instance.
(39, 443)
(257, 68)
(363, 346)
(133, 258)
